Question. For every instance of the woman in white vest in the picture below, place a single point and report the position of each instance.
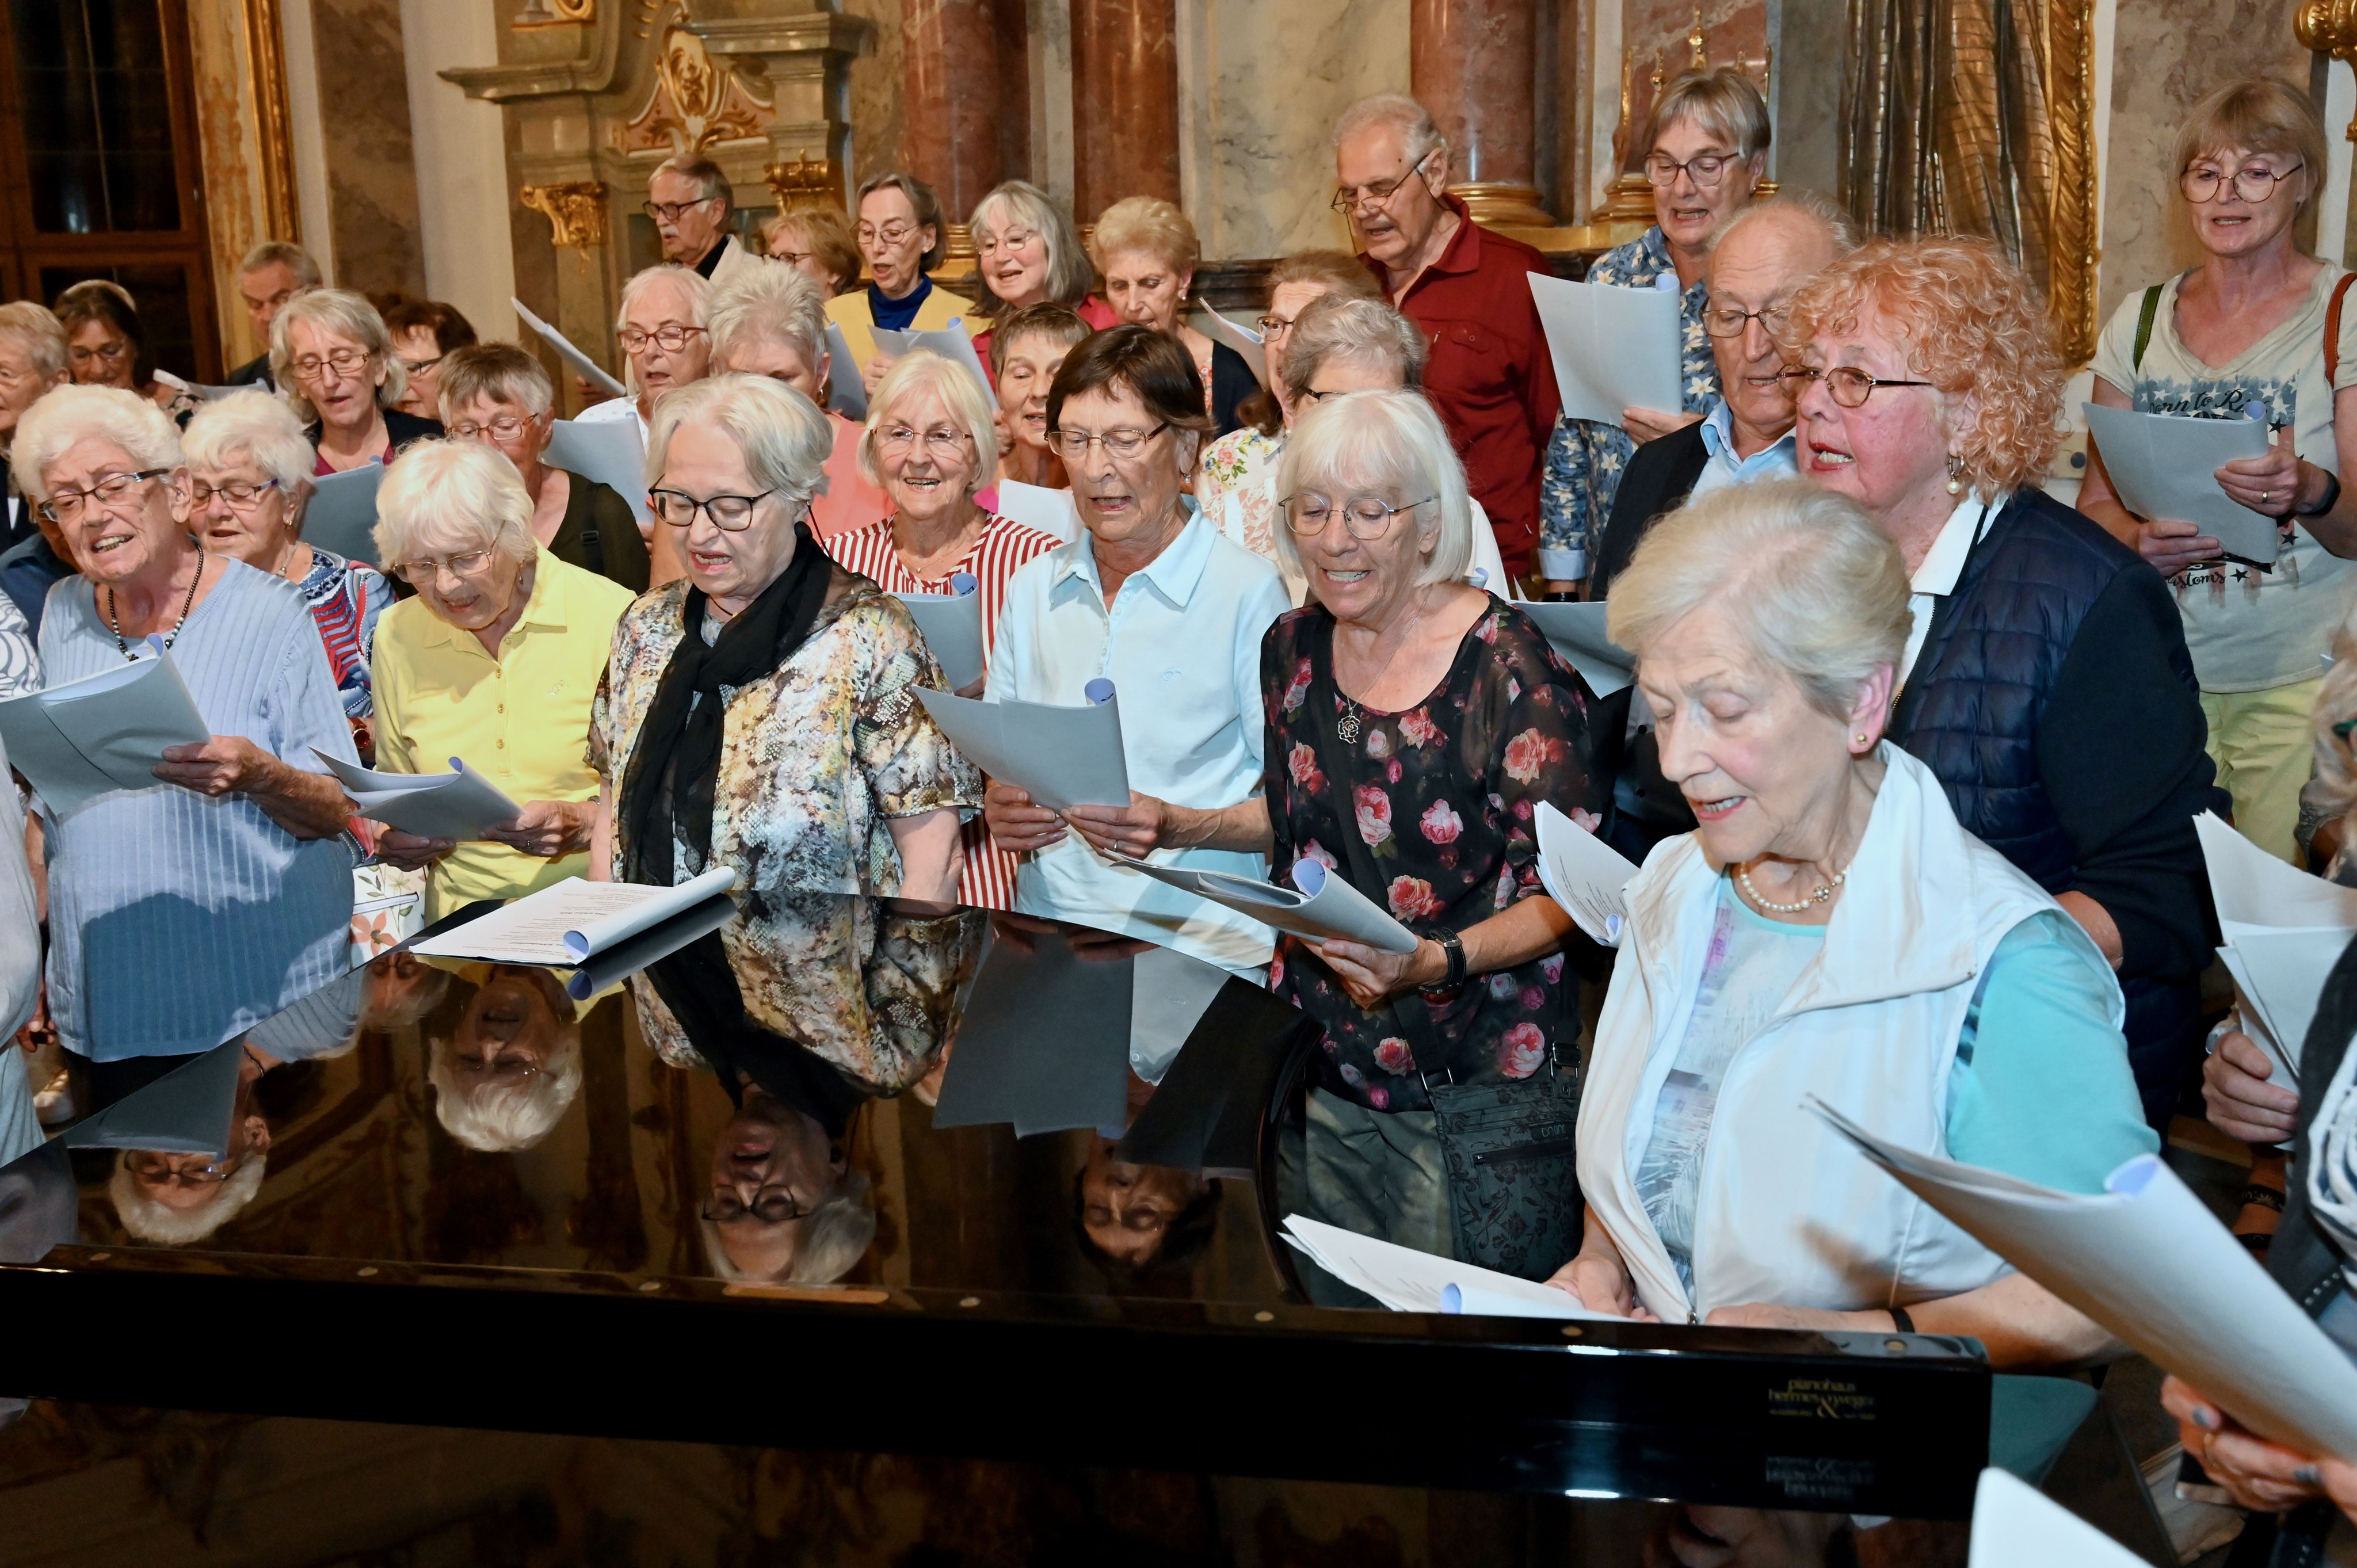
(1828, 931)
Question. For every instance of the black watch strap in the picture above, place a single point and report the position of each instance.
(1904, 1324)
(2331, 497)
(1453, 948)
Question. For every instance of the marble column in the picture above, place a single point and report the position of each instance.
(1470, 61)
(1125, 102)
(949, 57)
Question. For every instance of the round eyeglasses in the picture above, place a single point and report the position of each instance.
(1366, 517)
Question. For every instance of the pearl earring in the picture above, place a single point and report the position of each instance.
(1955, 474)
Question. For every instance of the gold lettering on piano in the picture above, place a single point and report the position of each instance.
(1821, 1399)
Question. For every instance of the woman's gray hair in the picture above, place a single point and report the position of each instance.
(1019, 203)
(1395, 110)
(1339, 327)
(834, 1237)
(969, 406)
(687, 280)
(255, 427)
(769, 302)
(498, 1118)
(35, 331)
(161, 1225)
(785, 439)
(1357, 443)
(339, 310)
(144, 432)
(463, 491)
(1802, 574)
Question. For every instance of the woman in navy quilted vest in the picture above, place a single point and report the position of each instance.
(2045, 679)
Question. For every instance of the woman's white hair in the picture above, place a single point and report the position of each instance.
(250, 426)
(768, 303)
(160, 1223)
(970, 407)
(786, 441)
(692, 284)
(146, 435)
(834, 1237)
(465, 493)
(1804, 577)
(347, 313)
(498, 1118)
(1359, 443)
(37, 334)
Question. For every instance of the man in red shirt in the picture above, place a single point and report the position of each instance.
(1490, 374)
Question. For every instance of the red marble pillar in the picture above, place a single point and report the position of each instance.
(1125, 102)
(950, 56)
(1470, 62)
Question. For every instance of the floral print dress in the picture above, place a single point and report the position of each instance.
(1441, 796)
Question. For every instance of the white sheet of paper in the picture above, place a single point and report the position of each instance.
(1614, 349)
(2281, 973)
(1577, 632)
(2164, 466)
(103, 733)
(1061, 756)
(2015, 1525)
(2254, 888)
(952, 627)
(572, 920)
(846, 394)
(341, 513)
(572, 356)
(2149, 1261)
(610, 451)
(1035, 506)
(1584, 875)
(1331, 910)
(457, 805)
(1408, 1281)
(953, 342)
(1236, 336)
(2284, 931)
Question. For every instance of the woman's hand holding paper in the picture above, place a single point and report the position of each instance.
(1598, 1280)
(2261, 1474)
(2274, 485)
(1133, 831)
(1646, 424)
(2173, 547)
(407, 851)
(1371, 974)
(2243, 1103)
(1015, 824)
(548, 829)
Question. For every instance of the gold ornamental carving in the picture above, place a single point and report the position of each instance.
(806, 182)
(697, 103)
(554, 13)
(2072, 258)
(2330, 28)
(267, 71)
(575, 213)
(1629, 197)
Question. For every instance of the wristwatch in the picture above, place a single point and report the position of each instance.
(1453, 948)
(2331, 497)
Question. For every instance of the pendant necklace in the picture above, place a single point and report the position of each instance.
(1349, 725)
(1823, 895)
(170, 637)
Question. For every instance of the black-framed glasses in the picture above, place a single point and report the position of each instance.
(1849, 385)
(1729, 320)
(730, 514)
(791, 258)
(770, 1206)
(242, 495)
(1366, 517)
(65, 506)
(419, 367)
(1348, 199)
(1273, 327)
(1706, 169)
(2253, 183)
(669, 212)
(671, 338)
(157, 1169)
(1072, 445)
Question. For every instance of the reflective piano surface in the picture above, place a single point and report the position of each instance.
(907, 1179)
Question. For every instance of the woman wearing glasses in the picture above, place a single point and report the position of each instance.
(762, 714)
(425, 333)
(1028, 252)
(249, 477)
(1706, 152)
(107, 346)
(2257, 331)
(899, 235)
(930, 443)
(2045, 681)
(330, 351)
(495, 662)
(228, 882)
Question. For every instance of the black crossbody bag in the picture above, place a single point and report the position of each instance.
(1513, 1188)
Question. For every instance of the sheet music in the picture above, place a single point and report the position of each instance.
(1320, 906)
(2164, 466)
(846, 394)
(1614, 349)
(1408, 1281)
(611, 452)
(1584, 875)
(103, 733)
(952, 627)
(953, 343)
(1061, 756)
(572, 356)
(457, 805)
(574, 919)
(341, 513)
(1038, 506)
(1577, 632)
(2017, 1526)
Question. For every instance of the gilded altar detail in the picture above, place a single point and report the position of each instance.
(575, 211)
(695, 103)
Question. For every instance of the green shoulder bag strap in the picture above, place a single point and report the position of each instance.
(2143, 325)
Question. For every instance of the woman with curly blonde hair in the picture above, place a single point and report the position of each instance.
(2045, 679)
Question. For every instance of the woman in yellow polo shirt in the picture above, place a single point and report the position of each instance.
(495, 662)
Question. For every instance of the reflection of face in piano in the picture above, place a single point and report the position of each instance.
(1130, 1212)
(178, 1199)
(513, 1066)
(782, 1204)
(402, 989)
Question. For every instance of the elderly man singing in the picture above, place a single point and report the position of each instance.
(689, 200)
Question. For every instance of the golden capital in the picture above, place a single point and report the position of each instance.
(575, 211)
(2329, 26)
(806, 182)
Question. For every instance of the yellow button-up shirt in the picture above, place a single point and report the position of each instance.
(521, 720)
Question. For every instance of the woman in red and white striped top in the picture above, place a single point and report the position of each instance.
(930, 443)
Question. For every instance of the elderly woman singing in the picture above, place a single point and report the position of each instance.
(1829, 930)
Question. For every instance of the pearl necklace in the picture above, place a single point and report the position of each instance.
(1821, 896)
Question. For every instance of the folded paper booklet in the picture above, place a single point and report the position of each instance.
(1577, 632)
(953, 342)
(458, 805)
(1613, 349)
(952, 627)
(1584, 875)
(610, 451)
(1038, 506)
(2149, 1261)
(575, 920)
(590, 369)
(103, 733)
(1060, 757)
(2164, 466)
(1408, 1281)
(2284, 931)
(1235, 335)
(1320, 905)
(846, 393)
(340, 516)
(2015, 1525)
(618, 961)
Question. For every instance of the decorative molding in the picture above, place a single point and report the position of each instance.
(806, 182)
(575, 210)
(1495, 204)
(554, 14)
(2070, 97)
(2330, 28)
(274, 134)
(696, 102)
